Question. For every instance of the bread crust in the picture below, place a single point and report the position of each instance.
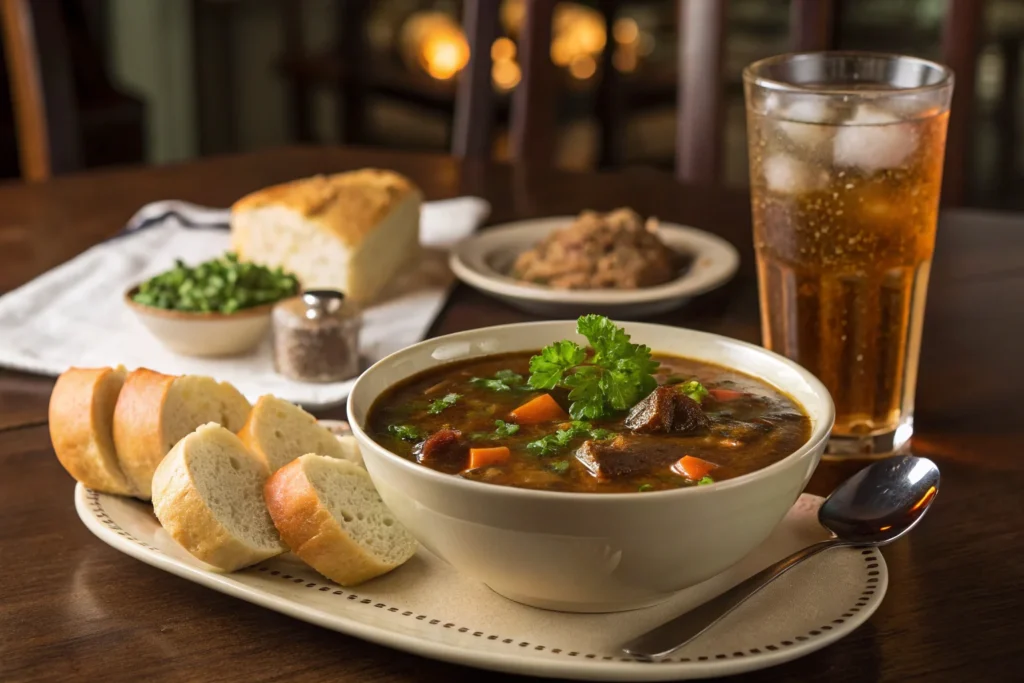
(81, 433)
(310, 530)
(184, 514)
(348, 205)
(138, 428)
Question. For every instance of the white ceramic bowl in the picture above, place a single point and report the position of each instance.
(204, 334)
(589, 552)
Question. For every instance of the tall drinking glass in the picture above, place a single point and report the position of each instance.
(846, 155)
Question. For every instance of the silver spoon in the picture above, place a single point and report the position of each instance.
(872, 508)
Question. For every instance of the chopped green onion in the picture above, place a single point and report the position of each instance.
(222, 285)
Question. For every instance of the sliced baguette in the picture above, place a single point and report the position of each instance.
(350, 449)
(155, 411)
(208, 495)
(81, 427)
(328, 512)
(280, 431)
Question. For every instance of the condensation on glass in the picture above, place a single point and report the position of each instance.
(846, 154)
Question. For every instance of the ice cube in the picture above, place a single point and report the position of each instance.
(787, 175)
(874, 139)
(804, 121)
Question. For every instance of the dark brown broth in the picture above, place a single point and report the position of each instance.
(746, 434)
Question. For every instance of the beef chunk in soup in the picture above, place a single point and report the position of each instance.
(667, 410)
(626, 456)
(443, 450)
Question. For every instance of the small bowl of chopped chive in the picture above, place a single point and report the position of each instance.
(217, 308)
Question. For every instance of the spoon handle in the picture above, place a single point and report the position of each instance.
(672, 635)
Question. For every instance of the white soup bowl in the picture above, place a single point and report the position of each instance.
(589, 552)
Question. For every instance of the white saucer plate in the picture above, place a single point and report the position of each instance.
(484, 260)
(428, 609)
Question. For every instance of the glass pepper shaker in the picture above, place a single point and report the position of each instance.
(316, 337)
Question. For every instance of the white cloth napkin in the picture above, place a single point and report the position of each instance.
(75, 313)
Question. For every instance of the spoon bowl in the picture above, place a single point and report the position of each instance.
(881, 502)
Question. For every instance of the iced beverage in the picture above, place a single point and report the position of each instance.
(846, 154)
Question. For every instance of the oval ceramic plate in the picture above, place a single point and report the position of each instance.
(426, 608)
(484, 260)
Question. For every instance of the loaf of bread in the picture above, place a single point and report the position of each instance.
(208, 495)
(81, 427)
(351, 231)
(279, 432)
(154, 411)
(330, 515)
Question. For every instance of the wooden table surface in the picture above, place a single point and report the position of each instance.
(74, 609)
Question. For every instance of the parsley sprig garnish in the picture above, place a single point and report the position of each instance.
(614, 377)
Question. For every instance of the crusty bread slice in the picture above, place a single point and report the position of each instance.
(155, 411)
(350, 449)
(280, 431)
(331, 516)
(81, 421)
(208, 495)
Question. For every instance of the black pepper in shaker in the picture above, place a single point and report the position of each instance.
(316, 337)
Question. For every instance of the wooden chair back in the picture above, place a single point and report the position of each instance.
(532, 117)
(42, 87)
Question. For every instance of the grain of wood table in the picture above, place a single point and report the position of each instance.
(74, 609)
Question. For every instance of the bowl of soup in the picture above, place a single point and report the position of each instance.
(589, 476)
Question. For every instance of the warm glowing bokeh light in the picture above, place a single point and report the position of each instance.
(625, 30)
(435, 41)
(582, 67)
(503, 49)
(444, 57)
(506, 74)
(577, 32)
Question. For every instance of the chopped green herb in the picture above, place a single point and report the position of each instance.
(512, 378)
(554, 443)
(560, 466)
(613, 378)
(446, 402)
(222, 285)
(694, 390)
(503, 380)
(705, 481)
(502, 428)
(645, 487)
(405, 432)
